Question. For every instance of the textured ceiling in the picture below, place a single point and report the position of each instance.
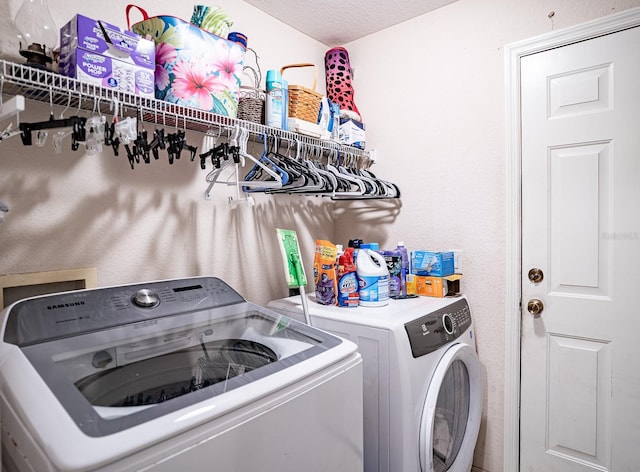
(337, 22)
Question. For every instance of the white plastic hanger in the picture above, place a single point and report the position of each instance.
(239, 139)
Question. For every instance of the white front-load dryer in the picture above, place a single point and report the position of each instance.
(422, 379)
(170, 376)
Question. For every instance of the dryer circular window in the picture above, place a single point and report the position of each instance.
(452, 411)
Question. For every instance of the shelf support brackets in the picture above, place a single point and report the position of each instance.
(12, 107)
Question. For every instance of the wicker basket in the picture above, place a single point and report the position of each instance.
(304, 103)
(251, 99)
(251, 104)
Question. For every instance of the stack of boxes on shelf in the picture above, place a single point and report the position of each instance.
(103, 54)
(434, 274)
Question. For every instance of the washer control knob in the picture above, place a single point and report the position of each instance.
(447, 322)
(146, 298)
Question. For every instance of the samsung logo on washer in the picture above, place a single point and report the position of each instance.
(64, 305)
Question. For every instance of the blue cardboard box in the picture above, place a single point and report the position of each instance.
(431, 263)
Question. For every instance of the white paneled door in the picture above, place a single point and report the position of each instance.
(580, 347)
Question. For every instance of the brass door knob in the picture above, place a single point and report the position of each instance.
(536, 275)
(535, 306)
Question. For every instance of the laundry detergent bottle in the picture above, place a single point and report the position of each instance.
(373, 278)
(347, 280)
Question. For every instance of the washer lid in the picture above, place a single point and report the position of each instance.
(114, 363)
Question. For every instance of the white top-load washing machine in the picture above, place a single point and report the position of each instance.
(174, 375)
(422, 379)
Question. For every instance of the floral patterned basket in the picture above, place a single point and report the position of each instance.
(194, 68)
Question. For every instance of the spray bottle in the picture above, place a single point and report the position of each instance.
(355, 244)
(274, 104)
(347, 280)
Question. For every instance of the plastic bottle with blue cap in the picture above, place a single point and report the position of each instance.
(274, 103)
(373, 278)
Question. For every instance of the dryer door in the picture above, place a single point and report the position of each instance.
(451, 414)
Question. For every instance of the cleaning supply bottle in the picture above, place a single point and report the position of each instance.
(274, 103)
(393, 258)
(285, 105)
(324, 272)
(404, 254)
(373, 278)
(355, 244)
(347, 280)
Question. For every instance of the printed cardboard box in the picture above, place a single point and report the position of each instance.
(107, 72)
(438, 287)
(89, 34)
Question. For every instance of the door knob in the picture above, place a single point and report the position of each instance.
(536, 275)
(535, 306)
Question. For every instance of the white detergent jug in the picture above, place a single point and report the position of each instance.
(373, 278)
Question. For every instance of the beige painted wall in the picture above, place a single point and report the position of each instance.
(70, 210)
(431, 91)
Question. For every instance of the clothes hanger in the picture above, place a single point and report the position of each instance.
(177, 142)
(158, 141)
(352, 185)
(76, 123)
(95, 129)
(300, 177)
(387, 189)
(316, 183)
(61, 134)
(376, 188)
(330, 182)
(219, 155)
(238, 143)
(296, 171)
(265, 173)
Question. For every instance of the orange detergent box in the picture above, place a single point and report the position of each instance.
(439, 287)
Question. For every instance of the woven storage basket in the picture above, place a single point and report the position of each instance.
(251, 99)
(251, 104)
(304, 103)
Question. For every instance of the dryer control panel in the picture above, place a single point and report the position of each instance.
(432, 331)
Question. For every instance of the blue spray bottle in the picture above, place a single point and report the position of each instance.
(274, 103)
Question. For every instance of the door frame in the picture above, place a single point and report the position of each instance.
(512, 54)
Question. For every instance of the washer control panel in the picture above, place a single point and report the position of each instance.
(433, 330)
(60, 315)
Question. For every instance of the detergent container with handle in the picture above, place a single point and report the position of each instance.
(373, 278)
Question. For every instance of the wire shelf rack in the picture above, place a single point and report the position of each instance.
(54, 89)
